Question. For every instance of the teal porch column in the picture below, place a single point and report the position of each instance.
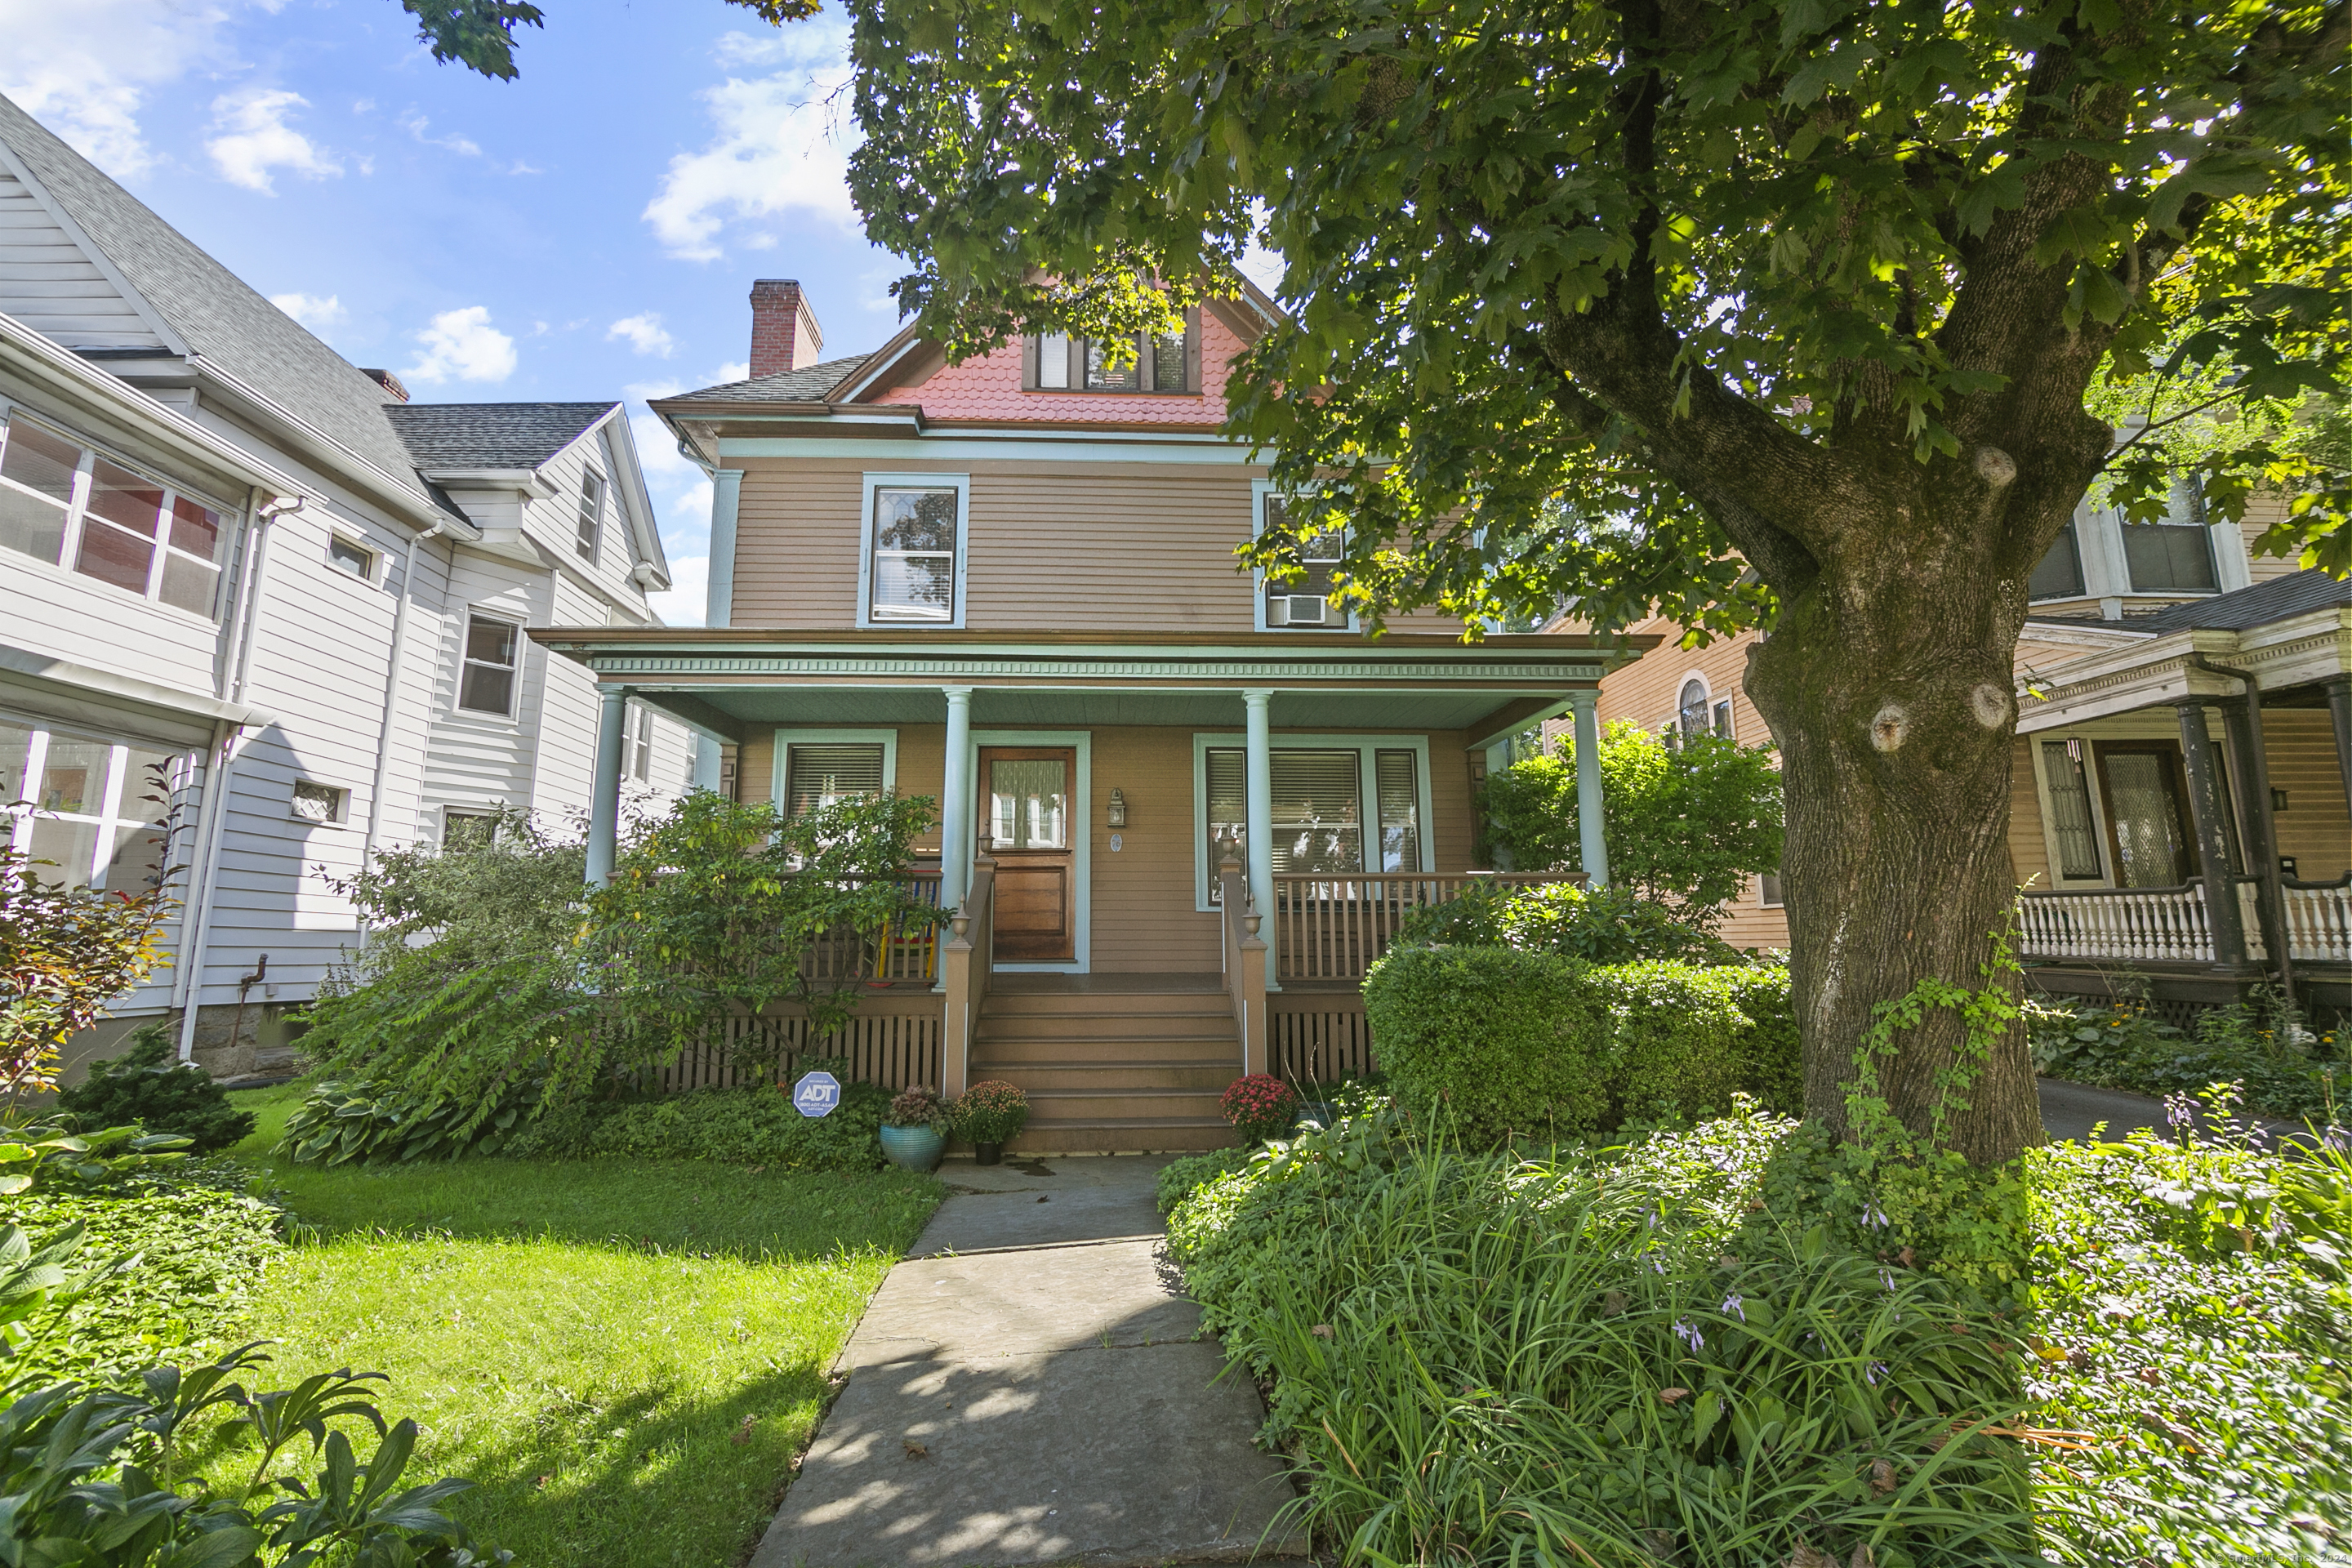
(604, 788)
(1589, 819)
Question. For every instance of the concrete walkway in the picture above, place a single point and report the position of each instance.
(1025, 1388)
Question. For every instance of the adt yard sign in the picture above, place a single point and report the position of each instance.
(816, 1094)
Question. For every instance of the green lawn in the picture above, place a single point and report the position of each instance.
(624, 1358)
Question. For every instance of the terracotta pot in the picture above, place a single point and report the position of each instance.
(988, 1153)
(913, 1148)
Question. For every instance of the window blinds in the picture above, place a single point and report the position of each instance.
(818, 775)
(1400, 793)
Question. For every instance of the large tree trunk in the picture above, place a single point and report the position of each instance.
(1887, 683)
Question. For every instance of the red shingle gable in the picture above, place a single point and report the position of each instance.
(989, 388)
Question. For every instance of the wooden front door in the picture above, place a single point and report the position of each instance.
(1027, 804)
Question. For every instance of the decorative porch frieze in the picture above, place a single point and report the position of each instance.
(671, 666)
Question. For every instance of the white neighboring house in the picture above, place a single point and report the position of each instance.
(228, 552)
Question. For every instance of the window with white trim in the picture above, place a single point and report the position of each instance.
(592, 513)
(1694, 713)
(62, 504)
(347, 554)
(641, 744)
(914, 550)
(485, 683)
(1306, 601)
(462, 829)
(94, 810)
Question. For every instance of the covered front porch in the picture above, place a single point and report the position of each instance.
(2190, 820)
(1124, 830)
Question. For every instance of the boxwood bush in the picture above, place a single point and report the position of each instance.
(1519, 1043)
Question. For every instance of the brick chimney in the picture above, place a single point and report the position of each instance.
(389, 382)
(784, 334)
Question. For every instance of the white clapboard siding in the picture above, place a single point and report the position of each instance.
(567, 739)
(68, 615)
(47, 283)
(476, 761)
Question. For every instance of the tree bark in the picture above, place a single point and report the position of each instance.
(1887, 683)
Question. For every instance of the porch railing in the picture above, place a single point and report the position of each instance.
(2155, 924)
(2318, 922)
(901, 955)
(1334, 927)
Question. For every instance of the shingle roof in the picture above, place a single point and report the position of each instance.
(218, 314)
(490, 434)
(809, 383)
(2296, 594)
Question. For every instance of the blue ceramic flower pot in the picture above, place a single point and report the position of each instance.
(913, 1148)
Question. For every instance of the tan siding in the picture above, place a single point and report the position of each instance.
(2314, 828)
(1646, 691)
(2029, 849)
(922, 770)
(1144, 918)
(796, 546)
(2262, 512)
(1453, 828)
(754, 762)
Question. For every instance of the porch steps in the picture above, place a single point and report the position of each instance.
(1123, 1068)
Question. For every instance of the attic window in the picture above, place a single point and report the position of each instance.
(1055, 361)
(592, 513)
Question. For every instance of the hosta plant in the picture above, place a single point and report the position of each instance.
(346, 1123)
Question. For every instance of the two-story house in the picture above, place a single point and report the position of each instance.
(1012, 584)
(229, 554)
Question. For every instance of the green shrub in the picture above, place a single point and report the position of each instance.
(1600, 925)
(1513, 1042)
(149, 1085)
(1180, 1178)
(1504, 1357)
(741, 1126)
(1505, 1042)
(2284, 1069)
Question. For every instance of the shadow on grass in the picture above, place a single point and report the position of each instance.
(696, 1209)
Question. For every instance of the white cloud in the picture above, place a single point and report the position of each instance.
(733, 369)
(780, 145)
(255, 139)
(313, 311)
(686, 601)
(464, 345)
(84, 69)
(644, 334)
(415, 125)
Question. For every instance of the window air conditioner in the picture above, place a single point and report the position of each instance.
(1297, 610)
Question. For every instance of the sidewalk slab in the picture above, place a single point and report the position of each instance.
(1026, 1388)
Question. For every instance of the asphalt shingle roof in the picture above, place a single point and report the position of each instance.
(2296, 594)
(490, 434)
(218, 314)
(808, 384)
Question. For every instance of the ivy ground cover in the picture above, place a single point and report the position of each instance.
(624, 1357)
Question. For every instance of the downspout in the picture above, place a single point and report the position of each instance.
(392, 697)
(2254, 779)
(213, 830)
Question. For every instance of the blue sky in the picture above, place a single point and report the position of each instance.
(589, 231)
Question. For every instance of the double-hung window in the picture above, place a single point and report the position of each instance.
(492, 652)
(826, 769)
(641, 744)
(62, 504)
(1304, 599)
(1325, 794)
(2173, 554)
(592, 514)
(915, 532)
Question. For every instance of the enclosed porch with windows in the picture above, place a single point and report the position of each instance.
(1170, 865)
(2184, 811)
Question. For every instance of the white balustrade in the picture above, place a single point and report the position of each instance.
(2157, 924)
(2319, 923)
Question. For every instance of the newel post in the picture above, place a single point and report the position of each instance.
(1249, 995)
(955, 1032)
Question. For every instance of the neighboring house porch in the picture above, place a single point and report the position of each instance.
(2184, 803)
(1172, 860)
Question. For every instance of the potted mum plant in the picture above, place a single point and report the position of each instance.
(915, 1130)
(990, 1115)
(1260, 1106)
